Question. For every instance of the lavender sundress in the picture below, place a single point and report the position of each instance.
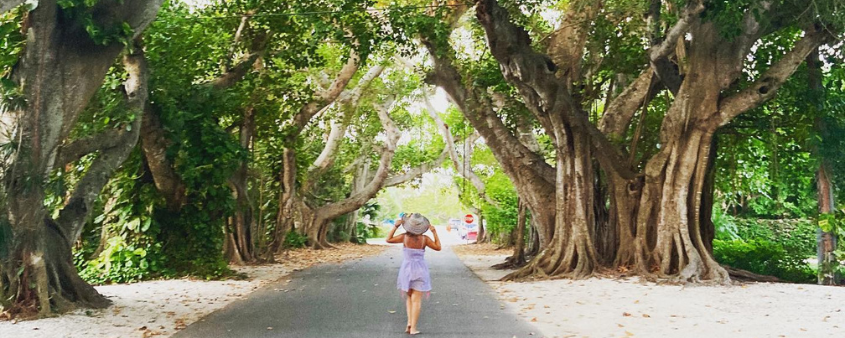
(413, 274)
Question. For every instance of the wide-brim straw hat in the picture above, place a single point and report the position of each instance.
(415, 224)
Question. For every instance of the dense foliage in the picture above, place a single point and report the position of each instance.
(270, 125)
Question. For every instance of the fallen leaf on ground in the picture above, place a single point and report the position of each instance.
(626, 314)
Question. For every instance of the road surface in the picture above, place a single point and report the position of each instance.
(359, 299)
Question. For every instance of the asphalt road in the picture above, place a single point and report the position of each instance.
(360, 299)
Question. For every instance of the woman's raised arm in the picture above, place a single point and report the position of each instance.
(396, 239)
(434, 245)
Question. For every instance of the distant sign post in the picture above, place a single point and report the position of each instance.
(469, 219)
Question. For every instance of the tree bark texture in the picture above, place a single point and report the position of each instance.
(658, 213)
(62, 68)
(532, 177)
(239, 244)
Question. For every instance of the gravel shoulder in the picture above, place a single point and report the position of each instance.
(162, 308)
(604, 307)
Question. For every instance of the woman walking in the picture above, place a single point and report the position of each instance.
(414, 279)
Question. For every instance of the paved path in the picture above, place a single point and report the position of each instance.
(355, 299)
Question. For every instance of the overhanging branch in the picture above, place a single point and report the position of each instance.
(771, 80)
(663, 49)
(533, 76)
(324, 97)
(416, 172)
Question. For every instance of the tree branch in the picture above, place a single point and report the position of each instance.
(349, 104)
(691, 12)
(154, 144)
(617, 117)
(234, 75)
(566, 44)
(771, 80)
(73, 216)
(416, 172)
(358, 199)
(352, 96)
(506, 147)
(239, 71)
(78, 148)
(534, 77)
(324, 98)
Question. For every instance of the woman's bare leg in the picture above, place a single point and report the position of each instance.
(408, 310)
(416, 305)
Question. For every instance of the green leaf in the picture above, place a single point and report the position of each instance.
(133, 224)
(146, 225)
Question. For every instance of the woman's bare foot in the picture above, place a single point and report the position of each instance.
(413, 332)
(408, 329)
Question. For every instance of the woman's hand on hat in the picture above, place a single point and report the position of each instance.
(431, 228)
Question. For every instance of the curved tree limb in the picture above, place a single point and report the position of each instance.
(691, 12)
(505, 146)
(566, 44)
(771, 80)
(358, 199)
(325, 97)
(415, 172)
(533, 75)
(234, 75)
(79, 206)
(348, 101)
(618, 115)
(78, 148)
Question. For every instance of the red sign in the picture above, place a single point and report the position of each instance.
(468, 219)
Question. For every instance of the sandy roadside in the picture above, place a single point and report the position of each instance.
(160, 308)
(629, 308)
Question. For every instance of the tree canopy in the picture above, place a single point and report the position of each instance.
(146, 139)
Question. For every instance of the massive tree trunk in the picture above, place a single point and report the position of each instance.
(546, 92)
(239, 245)
(533, 178)
(62, 68)
(670, 233)
(285, 214)
(572, 252)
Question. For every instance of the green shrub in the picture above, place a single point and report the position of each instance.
(777, 247)
(365, 231)
(763, 257)
(295, 240)
(121, 263)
